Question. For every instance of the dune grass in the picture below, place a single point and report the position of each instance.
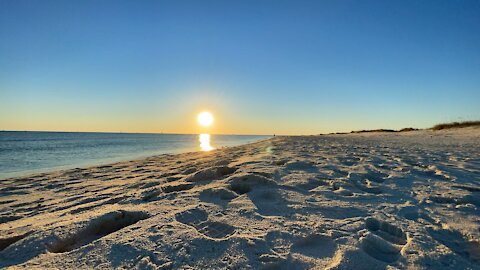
(456, 125)
(384, 130)
(436, 127)
(374, 130)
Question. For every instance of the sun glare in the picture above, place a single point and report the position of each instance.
(205, 142)
(205, 119)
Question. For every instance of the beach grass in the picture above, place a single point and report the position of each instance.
(456, 125)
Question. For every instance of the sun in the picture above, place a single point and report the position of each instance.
(205, 119)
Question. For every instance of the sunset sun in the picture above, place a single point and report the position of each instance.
(205, 119)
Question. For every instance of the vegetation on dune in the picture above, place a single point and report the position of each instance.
(385, 130)
(456, 125)
(374, 130)
(436, 127)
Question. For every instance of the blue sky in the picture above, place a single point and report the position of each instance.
(261, 67)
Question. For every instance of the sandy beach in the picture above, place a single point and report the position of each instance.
(354, 201)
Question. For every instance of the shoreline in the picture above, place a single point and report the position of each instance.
(358, 201)
(111, 160)
(67, 168)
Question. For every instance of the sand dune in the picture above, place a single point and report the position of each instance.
(354, 201)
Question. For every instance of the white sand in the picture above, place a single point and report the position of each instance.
(356, 201)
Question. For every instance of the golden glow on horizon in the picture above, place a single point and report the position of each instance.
(205, 142)
(205, 119)
(184, 122)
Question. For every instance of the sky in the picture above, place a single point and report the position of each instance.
(261, 67)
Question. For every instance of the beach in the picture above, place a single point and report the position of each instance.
(348, 201)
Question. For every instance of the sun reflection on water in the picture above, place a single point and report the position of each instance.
(205, 142)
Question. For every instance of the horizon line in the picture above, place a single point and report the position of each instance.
(126, 132)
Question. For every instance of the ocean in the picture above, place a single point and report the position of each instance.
(28, 152)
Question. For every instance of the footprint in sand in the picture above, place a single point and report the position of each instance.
(152, 193)
(377, 177)
(415, 214)
(12, 237)
(458, 200)
(244, 183)
(198, 219)
(210, 174)
(384, 241)
(368, 186)
(315, 245)
(455, 241)
(97, 228)
(301, 165)
(349, 161)
(218, 195)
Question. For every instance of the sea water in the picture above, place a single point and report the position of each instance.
(23, 153)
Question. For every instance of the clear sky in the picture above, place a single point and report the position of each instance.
(261, 67)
